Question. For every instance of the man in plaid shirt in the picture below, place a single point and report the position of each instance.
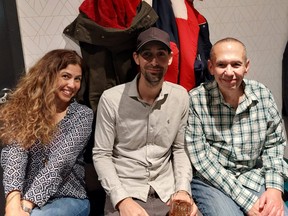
(235, 140)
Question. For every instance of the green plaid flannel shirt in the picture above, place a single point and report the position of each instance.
(232, 148)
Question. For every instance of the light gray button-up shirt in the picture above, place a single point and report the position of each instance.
(138, 145)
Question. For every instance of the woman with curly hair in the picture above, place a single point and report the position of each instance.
(45, 131)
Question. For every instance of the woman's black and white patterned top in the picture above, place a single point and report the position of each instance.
(51, 171)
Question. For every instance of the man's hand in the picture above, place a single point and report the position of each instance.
(184, 196)
(128, 207)
(271, 203)
(255, 210)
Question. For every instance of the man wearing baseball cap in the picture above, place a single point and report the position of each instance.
(139, 151)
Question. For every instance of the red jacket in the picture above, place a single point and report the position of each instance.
(188, 20)
(114, 14)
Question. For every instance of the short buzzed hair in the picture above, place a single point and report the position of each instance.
(229, 39)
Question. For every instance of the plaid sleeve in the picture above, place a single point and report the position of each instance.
(273, 162)
(206, 163)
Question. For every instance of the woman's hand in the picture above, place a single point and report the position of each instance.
(13, 205)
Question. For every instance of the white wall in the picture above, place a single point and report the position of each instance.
(260, 24)
(42, 23)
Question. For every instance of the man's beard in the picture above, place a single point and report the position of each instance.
(153, 79)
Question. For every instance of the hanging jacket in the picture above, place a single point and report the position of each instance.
(201, 71)
(194, 43)
(113, 14)
(188, 31)
(167, 22)
(107, 52)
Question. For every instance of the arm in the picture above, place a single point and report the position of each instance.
(102, 152)
(66, 147)
(274, 165)
(181, 163)
(13, 160)
(208, 166)
(105, 135)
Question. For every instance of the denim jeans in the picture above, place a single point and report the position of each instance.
(63, 207)
(213, 202)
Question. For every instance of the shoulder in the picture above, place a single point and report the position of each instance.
(254, 84)
(204, 89)
(174, 88)
(256, 88)
(116, 90)
(176, 93)
(80, 109)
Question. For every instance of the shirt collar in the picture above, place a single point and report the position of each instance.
(249, 92)
(72, 108)
(217, 97)
(133, 90)
(214, 93)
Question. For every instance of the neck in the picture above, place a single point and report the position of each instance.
(148, 92)
(60, 112)
(60, 115)
(233, 97)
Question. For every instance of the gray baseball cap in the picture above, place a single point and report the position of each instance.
(153, 34)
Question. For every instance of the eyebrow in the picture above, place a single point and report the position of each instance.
(159, 48)
(230, 61)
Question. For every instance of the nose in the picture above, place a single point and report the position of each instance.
(154, 61)
(71, 83)
(229, 70)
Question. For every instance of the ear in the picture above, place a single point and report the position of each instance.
(210, 67)
(136, 58)
(247, 66)
(170, 58)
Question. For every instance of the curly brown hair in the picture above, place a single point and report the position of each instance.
(28, 115)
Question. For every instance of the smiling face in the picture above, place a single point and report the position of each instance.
(153, 60)
(229, 65)
(68, 84)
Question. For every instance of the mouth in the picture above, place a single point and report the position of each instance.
(155, 71)
(229, 81)
(67, 93)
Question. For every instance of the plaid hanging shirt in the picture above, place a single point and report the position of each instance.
(232, 148)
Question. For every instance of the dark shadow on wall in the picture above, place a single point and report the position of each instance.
(285, 119)
(286, 124)
(12, 61)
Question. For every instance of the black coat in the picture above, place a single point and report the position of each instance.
(107, 52)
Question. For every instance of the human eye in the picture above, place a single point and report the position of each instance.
(162, 54)
(221, 65)
(65, 76)
(237, 64)
(146, 55)
(78, 79)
